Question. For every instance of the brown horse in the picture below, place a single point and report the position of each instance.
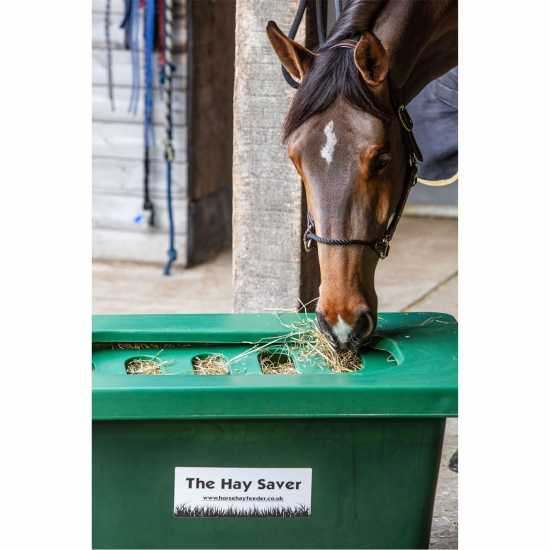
(347, 143)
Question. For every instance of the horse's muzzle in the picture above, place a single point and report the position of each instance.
(344, 337)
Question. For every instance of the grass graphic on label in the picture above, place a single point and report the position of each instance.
(183, 510)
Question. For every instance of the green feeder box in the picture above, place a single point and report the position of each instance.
(246, 459)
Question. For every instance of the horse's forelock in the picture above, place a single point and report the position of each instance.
(332, 75)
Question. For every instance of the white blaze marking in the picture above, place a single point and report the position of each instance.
(327, 151)
(341, 330)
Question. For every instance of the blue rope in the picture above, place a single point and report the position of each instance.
(172, 254)
(134, 49)
(149, 39)
(127, 11)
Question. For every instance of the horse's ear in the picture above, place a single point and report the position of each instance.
(295, 58)
(371, 59)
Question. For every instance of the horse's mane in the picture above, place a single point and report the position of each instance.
(333, 73)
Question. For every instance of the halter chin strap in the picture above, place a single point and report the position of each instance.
(380, 246)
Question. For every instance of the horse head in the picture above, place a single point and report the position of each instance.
(350, 149)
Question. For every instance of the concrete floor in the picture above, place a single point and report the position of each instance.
(421, 274)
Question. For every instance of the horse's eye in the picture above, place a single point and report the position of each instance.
(380, 162)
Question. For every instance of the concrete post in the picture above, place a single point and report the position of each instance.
(269, 269)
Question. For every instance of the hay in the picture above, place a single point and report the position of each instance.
(137, 346)
(144, 365)
(311, 342)
(276, 363)
(305, 339)
(148, 345)
(147, 365)
(210, 365)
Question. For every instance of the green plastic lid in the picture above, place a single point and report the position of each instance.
(411, 372)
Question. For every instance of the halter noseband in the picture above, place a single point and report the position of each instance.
(380, 246)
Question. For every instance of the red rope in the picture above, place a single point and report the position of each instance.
(160, 33)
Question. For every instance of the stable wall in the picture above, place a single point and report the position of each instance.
(202, 115)
(117, 170)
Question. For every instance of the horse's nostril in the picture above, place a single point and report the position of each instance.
(343, 337)
(363, 328)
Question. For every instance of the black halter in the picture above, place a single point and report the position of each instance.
(380, 246)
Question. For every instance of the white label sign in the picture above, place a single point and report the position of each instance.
(242, 492)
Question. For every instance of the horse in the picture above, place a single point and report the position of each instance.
(350, 139)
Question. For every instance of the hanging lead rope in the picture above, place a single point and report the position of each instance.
(149, 40)
(161, 41)
(168, 145)
(320, 24)
(133, 22)
(161, 29)
(125, 23)
(292, 34)
(109, 53)
(321, 36)
(148, 128)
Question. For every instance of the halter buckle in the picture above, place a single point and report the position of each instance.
(310, 228)
(382, 248)
(405, 118)
(307, 243)
(414, 170)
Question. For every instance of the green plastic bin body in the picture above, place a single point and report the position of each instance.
(372, 438)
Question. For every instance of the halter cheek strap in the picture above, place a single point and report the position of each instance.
(380, 246)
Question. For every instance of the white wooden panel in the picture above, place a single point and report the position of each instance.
(102, 106)
(117, 7)
(125, 141)
(122, 69)
(118, 212)
(109, 244)
(125, 177)
(118, 149)
(117, 34)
